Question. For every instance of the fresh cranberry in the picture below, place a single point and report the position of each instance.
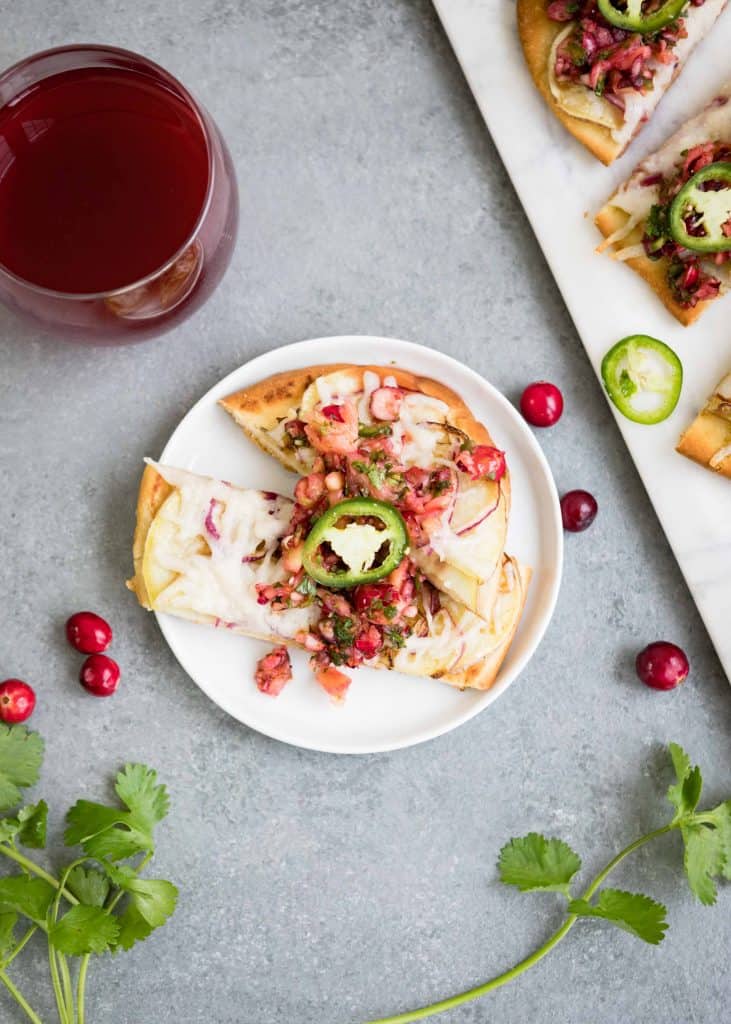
(17, 701)
(99, 675)
(88, 633)
(578, 510)
(662, 665)
(541, 404)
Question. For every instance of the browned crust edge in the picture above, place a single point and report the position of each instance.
(153, 493)
(537, 33)
(608, 220)
(706, 435)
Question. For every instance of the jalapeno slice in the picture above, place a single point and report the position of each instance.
(633, 18)
(359, 540)
(643, 377)
(695, 208)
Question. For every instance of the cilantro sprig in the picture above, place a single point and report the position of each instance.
(98, 903)
(534, 863)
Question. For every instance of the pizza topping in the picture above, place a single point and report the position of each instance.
(359, 540)
(643, 377)
(690, 224)
(700, 214)
(641, 15)
(613, 76)
(610, 56)
(484, 461)
(273, 671)
(386, 403)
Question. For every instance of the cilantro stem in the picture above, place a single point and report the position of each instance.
(35, 869)
(19, 998)
(18, 947)
(81, 983)
(81, 988)
(529, 961)
(57, 990)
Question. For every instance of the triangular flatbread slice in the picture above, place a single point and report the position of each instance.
(464, 552)
(623, 218)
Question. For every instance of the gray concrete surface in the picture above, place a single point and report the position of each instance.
(318, 889)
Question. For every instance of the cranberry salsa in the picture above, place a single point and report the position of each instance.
(358, 619)
(689, 281)
(613, 60)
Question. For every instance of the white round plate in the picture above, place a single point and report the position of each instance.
(383, 710)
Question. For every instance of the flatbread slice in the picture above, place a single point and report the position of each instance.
(464, 554)
(201, 546)
(623, 218)
(708, 439)
(604, 129)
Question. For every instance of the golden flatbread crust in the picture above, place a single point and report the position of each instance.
(483, 674)
(537, 34)
(707, 435)
(153, 493)
(259, 408)
(608, 220)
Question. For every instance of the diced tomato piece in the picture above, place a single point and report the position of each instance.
(333, 681)
(483, 461)
(273, 671)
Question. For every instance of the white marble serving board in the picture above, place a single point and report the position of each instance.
(560, 186)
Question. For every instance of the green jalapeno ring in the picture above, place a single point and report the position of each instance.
(710, 202)
(326, 530)
(643, 377)
(635, 21)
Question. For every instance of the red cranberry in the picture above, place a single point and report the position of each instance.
(662, 665)
(578, 510)
(17, 701)
(88, 633)
(541, 404)
(99, 675)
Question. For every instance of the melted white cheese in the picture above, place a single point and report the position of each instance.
(201, 541)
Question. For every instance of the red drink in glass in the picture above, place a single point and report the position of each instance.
(118, 202)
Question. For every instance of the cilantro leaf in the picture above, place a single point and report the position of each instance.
(105, 832)
(536, 863)
(28, 826)
(33, 821)
(708, 851)
(88, 885)
(703, 860)
(29, 896)
(148, 800)
(631, 911)
(84, 930)
(686, 793)
(8, 920)
(21, 755)
(151, 903)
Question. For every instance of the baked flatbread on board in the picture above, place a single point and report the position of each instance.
(601, 126)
